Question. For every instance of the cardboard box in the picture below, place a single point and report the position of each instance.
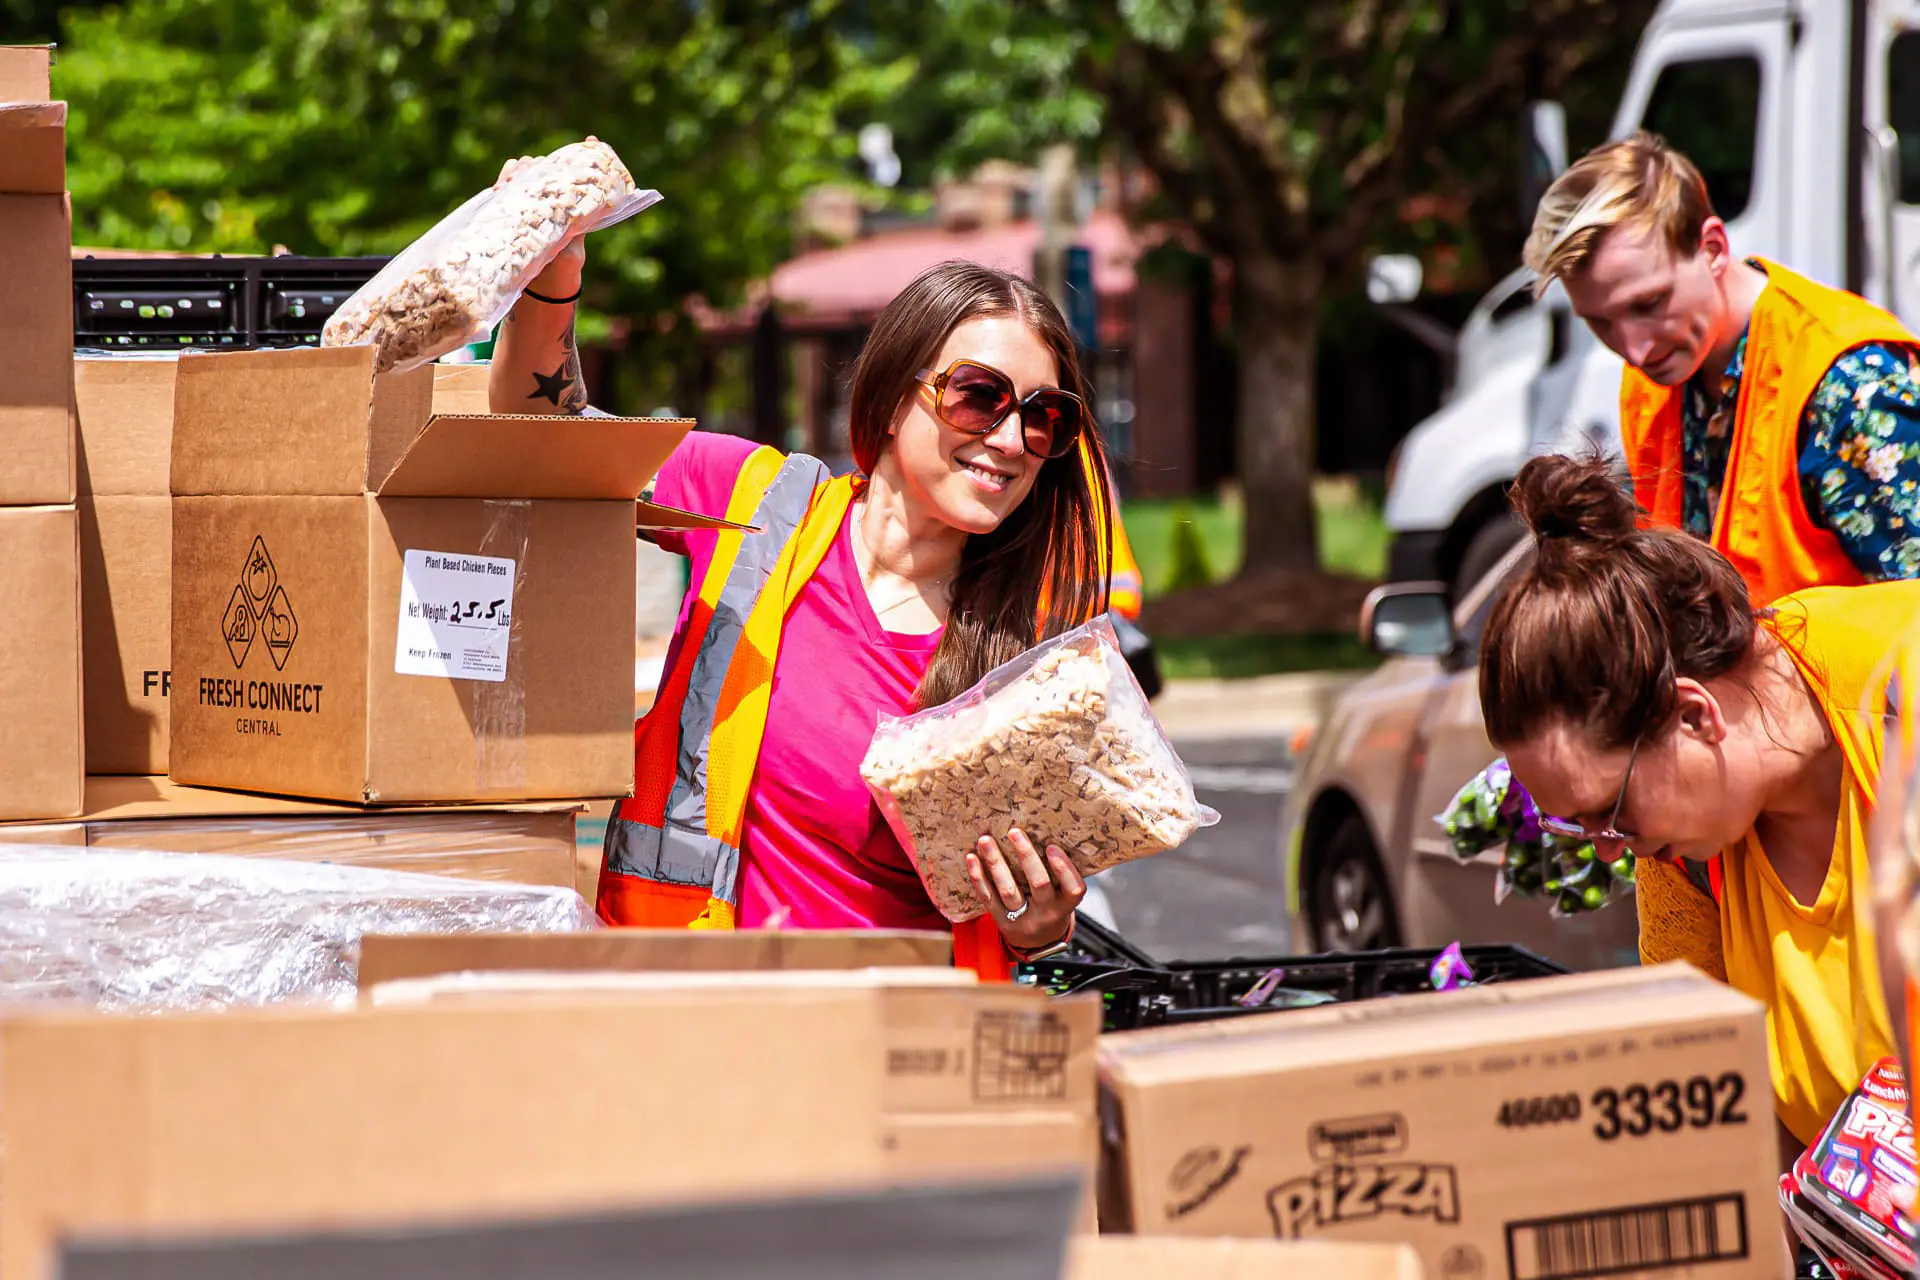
(126, 582)
(26, 72)
(1455, 1122)
(515, 844)
(1167, 1257)
(124, 408)
(306, 1119)
(124, 404)
(953, 1047)
(42, 749)
(374, 603)
(392, 957)
(36, 326)
(979, 1079)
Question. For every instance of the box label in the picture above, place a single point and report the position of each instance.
(456, 614)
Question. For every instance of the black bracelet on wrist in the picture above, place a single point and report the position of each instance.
(557, 302)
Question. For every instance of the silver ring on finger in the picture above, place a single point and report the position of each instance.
(1017, 912)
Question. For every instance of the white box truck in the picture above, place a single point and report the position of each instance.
(1804, 118)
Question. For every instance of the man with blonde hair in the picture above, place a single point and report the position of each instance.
(1770, 415)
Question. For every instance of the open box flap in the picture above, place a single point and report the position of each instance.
(301, 420)
(33, 148)
(654, 516)
(533, 456)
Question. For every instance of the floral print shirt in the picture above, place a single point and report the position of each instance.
(1859, 454)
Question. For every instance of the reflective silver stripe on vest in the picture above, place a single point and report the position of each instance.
(683, 853)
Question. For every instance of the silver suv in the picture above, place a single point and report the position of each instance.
(1365, 863)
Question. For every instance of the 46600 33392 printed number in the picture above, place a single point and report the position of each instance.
(1636, 1110)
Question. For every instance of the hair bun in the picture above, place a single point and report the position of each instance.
(1576, 499)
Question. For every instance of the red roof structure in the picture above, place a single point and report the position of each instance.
(846, 286)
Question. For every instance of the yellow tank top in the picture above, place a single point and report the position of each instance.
(1814, 965)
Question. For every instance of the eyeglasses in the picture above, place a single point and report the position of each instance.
(976, 398)
(1575, 831)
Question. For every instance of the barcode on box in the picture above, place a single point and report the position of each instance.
(1020, 1057)
(1646, 1237)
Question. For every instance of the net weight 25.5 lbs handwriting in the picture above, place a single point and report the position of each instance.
(456, 616)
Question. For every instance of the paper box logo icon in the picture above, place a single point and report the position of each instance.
(237, 626)
(277, 624)
(259, 607)
(259, 577)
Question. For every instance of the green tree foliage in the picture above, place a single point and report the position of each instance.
(1289, 136)
(350, 126)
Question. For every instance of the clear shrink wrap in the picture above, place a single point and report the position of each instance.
(143, 931)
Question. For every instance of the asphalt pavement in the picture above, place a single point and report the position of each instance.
(1222, 893)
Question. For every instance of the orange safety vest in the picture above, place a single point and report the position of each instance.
(1125, 593)
(1900, 789)
(1799, 328)
(673, 849)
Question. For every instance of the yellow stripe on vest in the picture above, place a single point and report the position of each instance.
(741, 721)
(756, 473)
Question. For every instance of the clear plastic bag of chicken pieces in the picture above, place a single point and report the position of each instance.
(455, 283)
(1060, 743)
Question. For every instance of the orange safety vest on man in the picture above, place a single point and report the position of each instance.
(1799, 328)
(673, 850)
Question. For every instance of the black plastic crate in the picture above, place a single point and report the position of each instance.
(209, 302)
(1362, 975)
(1152, 995)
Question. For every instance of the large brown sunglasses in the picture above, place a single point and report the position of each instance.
(975, 398)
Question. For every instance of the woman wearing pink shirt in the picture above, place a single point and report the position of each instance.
(981, 495)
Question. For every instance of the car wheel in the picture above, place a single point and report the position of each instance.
(1490, 542)
(1349, 905)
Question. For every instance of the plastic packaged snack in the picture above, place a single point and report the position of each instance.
(1494, 809)
(1059, 743)
(161, 931)
(455, 283)
(1850, 1195)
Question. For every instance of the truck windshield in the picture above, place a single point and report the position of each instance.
(1709, 110)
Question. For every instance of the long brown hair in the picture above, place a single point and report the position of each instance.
(1049, 548)
(1596, 629)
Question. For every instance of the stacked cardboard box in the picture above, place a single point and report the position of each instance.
(374, 602)
(125, 410)
(979, 1078)
(42, 749)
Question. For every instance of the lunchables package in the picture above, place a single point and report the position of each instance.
(1850, 1195)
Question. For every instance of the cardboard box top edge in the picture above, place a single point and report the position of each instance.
(1676, 995)
(389, 957)
(1126, 1257)
(545, 984)
(28, 1019)
(385, 421)
(115, 797)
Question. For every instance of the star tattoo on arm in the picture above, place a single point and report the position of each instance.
(551, 386)
(563, 388)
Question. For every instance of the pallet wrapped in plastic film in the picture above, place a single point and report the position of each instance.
(158, 931)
